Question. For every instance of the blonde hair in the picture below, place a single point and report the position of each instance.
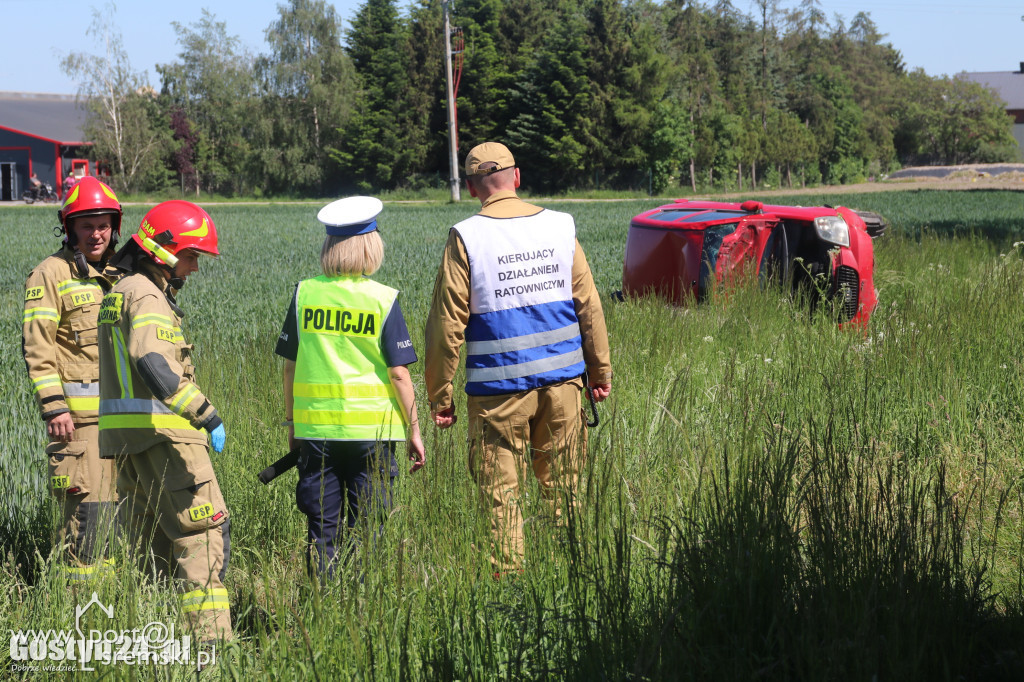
(358, 254)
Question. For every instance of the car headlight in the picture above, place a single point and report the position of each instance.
(833, 229)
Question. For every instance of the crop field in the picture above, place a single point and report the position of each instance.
(767, 496)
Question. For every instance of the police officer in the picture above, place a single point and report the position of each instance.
(62, 299)
(515, 285)
(154, 419)
(347, 388)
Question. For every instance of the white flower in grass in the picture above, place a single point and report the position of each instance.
(768, 361)
(708, 339)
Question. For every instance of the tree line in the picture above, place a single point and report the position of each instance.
(587, 93)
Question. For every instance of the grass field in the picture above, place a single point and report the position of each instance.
(767, 496)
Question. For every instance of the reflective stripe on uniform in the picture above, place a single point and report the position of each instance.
(524, 369)
(70, 286)
(203, 600)
(183, 397)
(87, 572)
(124, 373)
(139, 413)
(342, 391)
(144, 421)
(516, 343)
(82, 397)
(41, 314)
(82, 389)
(46, 381)
(151, 318)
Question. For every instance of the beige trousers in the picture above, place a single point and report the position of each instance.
(85, 486)
(542, 430)
(176, 521)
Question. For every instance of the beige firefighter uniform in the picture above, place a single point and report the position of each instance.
(152, 420)
(62, 357)
(542, 428)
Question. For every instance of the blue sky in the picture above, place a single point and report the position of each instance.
(940, 36)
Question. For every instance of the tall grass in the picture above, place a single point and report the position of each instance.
(767, 497)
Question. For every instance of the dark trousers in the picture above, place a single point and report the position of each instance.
(349, 480)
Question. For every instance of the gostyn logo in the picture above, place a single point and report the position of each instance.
(84, 647)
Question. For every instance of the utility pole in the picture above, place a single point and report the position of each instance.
(453, 152)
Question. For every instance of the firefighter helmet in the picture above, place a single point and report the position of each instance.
(87, 197)
(173, 226)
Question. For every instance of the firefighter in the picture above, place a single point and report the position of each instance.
(62, 300)
(347, 388)
(514, 284)
(154, 420)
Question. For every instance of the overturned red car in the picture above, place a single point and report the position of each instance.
(682, 250)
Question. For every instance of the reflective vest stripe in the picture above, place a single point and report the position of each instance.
(82, 397)
(46, 381)
(385, 418)
(342, 391)
(41, 314)
(145, 421)
(124, 372)
(524, 369)
(516, 343)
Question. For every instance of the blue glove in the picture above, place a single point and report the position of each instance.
(217, 438)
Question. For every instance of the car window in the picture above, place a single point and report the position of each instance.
(713, 237)
(709, 216)
(675, 214)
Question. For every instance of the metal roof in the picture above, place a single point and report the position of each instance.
(1009, 85)
(53, 117)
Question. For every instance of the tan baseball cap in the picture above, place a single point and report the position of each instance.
(488, 153)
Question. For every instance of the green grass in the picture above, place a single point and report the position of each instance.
(767, 497)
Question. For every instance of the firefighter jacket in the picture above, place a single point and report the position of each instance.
(478, 280)
(148, 392)
(342, 390)
(59, 335)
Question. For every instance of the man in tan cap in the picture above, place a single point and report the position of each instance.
(514, 284)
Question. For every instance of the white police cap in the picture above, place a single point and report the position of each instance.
(351, 215)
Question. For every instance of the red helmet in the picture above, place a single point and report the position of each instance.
(172, 226)
(89, 196)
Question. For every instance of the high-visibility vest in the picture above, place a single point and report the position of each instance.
(523, 332)
(341, 389)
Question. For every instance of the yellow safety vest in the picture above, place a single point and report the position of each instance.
(342, 390)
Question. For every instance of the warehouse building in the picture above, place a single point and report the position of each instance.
(39, 134)
(1009, 85)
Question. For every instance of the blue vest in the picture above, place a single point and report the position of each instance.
(523, 332)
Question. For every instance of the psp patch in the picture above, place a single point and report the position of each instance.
(33, 293)
(203, 511)
(60, 482)
(82, 298)
(165, 334)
